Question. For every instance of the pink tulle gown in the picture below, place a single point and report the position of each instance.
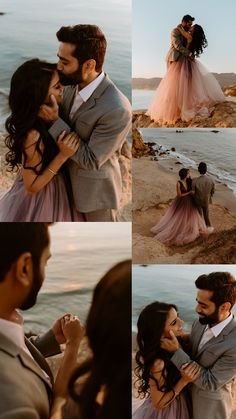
(187, 90)
(48, 205)
(182, 222)
(177, 409)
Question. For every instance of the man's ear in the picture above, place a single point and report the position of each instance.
(24, 270)
(90, 65)
(226, 306)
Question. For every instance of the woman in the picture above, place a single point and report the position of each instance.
(159, 380)
(182, 222)
(41, 191)
(105, 391)
(188, 89)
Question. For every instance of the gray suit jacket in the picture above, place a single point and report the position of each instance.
(204, 188)
(178, 47)
(24, 388)
(212, 392)
(102, 124)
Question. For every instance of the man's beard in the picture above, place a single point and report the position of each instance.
(36, 285)
(212, 319)
(72, 79)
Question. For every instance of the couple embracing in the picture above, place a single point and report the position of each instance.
(189, 376)
(67, 160)
(188, 216)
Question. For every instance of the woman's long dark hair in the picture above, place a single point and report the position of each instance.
(199, 41)
(108, 329)
(151, 323)
(28, 91)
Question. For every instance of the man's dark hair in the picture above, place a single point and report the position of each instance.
(223, 285)
(202, 168)
(18, 238)
(187, 18)
(89, 41)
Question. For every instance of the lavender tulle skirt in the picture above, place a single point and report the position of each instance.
(177, 409)
(49, 204)
(181, 224)
(187, 90)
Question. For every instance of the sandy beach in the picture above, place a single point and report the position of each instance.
(154, 188)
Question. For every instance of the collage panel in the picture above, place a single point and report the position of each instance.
(183, 68)
(65, 320)
(183, 333)
(65, 111)
(184, 196)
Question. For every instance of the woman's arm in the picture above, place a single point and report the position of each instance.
(67, 145)
(179, 193)
(73, 332)
(185, 34)
(162, 399)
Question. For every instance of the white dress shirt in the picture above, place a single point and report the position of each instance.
(214, 331)
(84, 94)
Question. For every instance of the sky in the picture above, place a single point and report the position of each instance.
(153, 21)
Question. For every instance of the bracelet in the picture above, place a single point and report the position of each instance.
(52, 171)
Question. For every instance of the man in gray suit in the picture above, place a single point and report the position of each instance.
(101, 116)
(178, 42)
(213, 347)
(25, 377)
(204, 188)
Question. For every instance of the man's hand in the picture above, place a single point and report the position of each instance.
(72, 329)
(57, 330)
(49, 113)
(170, 344)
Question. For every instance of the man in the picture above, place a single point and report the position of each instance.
(178, 42)
(25, 377)
(204, 189)
(101, 116)
(213, 347)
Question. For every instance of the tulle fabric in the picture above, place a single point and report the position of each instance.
(181, 224)
(48, 205)
(177, 409)
(187, 90)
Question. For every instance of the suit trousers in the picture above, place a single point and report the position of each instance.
(204, 211)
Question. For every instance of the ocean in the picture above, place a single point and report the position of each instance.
(141, 99)
(28, 30)
(170, 284)
(217, 149)
(81, 255)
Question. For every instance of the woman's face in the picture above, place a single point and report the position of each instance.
(55, 88)
(174, 323)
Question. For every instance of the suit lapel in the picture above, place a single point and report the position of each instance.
(91, 102)
(38, 357)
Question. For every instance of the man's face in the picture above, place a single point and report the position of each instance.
(187, 25)
(70, 72)
(206, 309)
(37, 281)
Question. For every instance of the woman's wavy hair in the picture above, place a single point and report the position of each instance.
(151, 324)
(199, 41)
(28, 91)
(108, 329)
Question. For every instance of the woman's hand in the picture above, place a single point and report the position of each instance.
(69, 144)
(72, 330)
(190, 372)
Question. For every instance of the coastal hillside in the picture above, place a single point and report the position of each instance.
(225, 80)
